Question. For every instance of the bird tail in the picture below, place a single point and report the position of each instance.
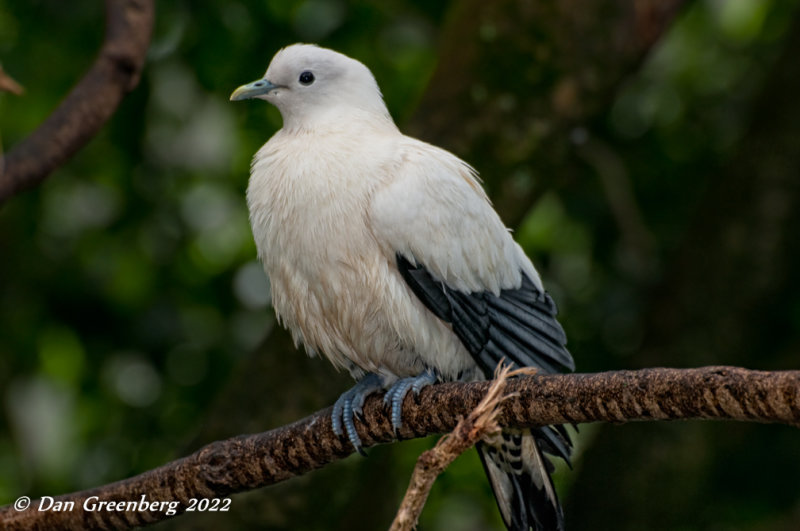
(519, 473)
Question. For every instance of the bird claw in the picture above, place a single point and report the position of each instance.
(397, 393)
(350, 404)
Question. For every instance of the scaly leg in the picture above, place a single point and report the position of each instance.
(350, 404)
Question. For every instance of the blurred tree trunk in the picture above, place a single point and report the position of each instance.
(514, 78)
(731, 294)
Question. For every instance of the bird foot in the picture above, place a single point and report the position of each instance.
(350, 404)
(397, 393)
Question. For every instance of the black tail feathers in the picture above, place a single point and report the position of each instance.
(519, 474)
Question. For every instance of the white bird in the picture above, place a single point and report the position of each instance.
(385, 255)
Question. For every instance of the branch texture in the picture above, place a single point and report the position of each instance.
(252, 461)
(115, 72)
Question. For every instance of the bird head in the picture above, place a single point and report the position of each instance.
(310, 85)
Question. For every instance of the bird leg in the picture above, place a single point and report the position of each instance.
(350, 404)
(397, 392)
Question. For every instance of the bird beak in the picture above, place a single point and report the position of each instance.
(252, 90)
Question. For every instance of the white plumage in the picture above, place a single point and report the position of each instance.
(339, 195)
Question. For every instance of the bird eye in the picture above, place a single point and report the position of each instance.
(306, 78)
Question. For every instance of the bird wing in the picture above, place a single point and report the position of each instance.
(454, 253)
(458, 258)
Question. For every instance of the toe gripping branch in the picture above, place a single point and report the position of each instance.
(397, 393)
(351, 403)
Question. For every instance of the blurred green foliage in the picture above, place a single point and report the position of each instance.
(129, 282)
(129, 289)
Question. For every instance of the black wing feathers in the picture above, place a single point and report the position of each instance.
(519, 325)
(426, 288)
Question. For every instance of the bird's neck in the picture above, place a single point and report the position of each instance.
(346, 120)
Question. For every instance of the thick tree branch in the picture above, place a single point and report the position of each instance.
(252, 461)
(115, 72)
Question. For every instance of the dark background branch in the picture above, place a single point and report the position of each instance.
(575, 54)
(8, 84)
(115, 72)
(252, 461)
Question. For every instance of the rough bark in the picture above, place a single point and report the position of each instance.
(93, 100)
(252, 461)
